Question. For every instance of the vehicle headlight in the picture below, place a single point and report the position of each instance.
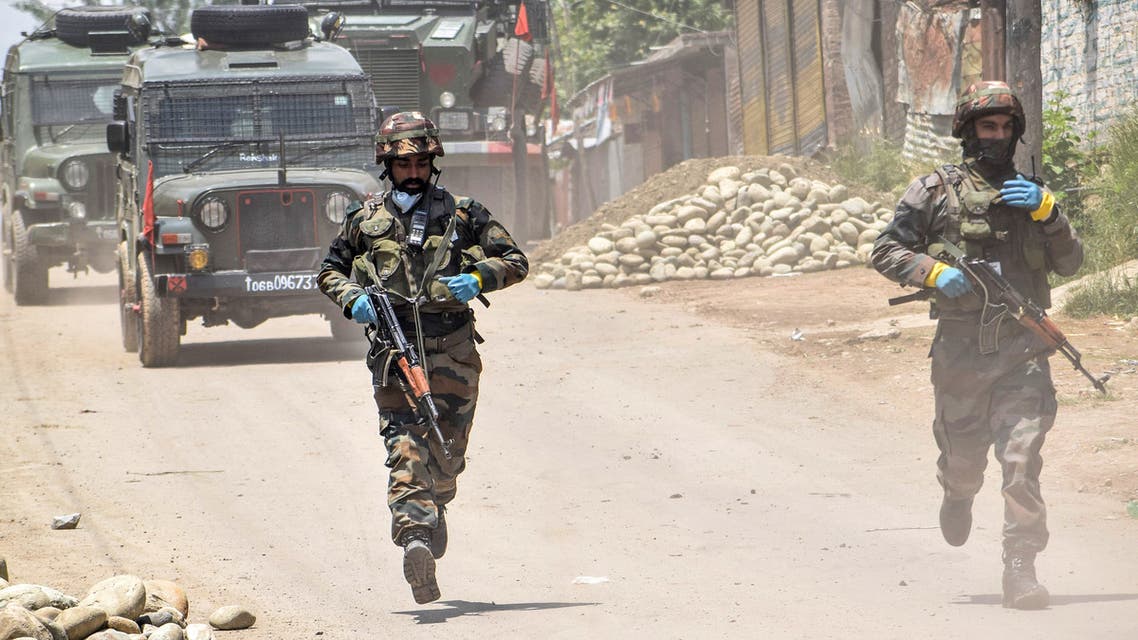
(496, 118)
(213, 213)
(77, 210)
(74, 174)
(454, 120)
(446, 99)
(336, 206)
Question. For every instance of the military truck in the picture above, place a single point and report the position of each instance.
(57, 191)
(239, 155)
(462, 63)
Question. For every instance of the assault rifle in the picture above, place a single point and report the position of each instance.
(1001, 299)
(409, 373)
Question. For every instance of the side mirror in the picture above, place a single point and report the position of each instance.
(118, 137)
(331, 25)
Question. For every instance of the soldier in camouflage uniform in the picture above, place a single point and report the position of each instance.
(996, 391)
(396, 237)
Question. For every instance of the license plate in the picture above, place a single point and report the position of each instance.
(270, 283)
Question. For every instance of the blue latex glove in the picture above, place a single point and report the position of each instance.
(1022, 194)
(953, 282)
(463, 286)
(363, 312)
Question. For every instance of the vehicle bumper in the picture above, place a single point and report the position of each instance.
(239, 284)
(66, 234)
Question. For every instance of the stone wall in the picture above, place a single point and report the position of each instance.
(1090, 50)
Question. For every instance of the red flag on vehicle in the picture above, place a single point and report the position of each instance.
(148, 205)
(521, 27)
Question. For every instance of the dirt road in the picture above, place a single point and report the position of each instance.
(716, 478)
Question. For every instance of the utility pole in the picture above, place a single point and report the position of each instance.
(1024, 33)
(992, 40)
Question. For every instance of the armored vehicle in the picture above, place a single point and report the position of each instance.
(57, 194)
(465, 64)
(239, 156)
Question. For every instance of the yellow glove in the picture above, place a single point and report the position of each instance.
(930, 280)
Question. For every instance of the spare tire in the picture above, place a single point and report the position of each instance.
(497, 86)
(250, 24)
(73, 25)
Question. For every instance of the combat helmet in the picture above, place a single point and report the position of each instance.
(985, 98)
(405, 134)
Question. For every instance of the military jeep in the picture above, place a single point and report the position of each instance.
(240, 154)
(57, 191)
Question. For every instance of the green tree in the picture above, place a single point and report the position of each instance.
(597, 36)
(169, 16)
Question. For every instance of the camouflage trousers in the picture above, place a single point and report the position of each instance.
(1004, 399)
(421, 479)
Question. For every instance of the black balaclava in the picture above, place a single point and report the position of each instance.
(991, 156)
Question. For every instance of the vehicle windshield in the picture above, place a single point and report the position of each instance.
(203, 127)
(72, 109)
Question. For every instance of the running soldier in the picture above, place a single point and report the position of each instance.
(433, 253)
(992, 382)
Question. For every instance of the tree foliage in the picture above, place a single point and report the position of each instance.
(169, 16)
(597, 36)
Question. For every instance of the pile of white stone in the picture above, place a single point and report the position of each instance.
(759, 223)
(122, 607)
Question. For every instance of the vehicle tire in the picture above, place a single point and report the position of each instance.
(516, 56)
(253, 24)
(74, 25)
(128, 298)
(344, 330)
(29, 277)
(6, 252)
(496, 88)
(160, 326)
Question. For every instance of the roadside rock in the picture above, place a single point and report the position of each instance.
(18, 622)
(199, 632)
(81, 621)
(32, 597)
(123, 596)
(232, 617)
(164, 593)
(168, 631)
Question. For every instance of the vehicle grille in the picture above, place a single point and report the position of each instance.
(101, 189)
(395, 75)
(276, 219)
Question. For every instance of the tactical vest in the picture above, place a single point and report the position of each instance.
(410, 271)
(985, 228)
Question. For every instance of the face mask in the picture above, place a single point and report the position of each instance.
(405, 200)
(990, 152)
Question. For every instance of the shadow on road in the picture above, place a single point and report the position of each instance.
(1056, 600)
(458, 608)
(268, 351)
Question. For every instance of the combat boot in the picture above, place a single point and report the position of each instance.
(439, 535)
(1021, 589)
(419, 566)
(956, 520)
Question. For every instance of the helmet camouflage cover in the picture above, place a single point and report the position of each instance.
(405, 134)
(986, 98)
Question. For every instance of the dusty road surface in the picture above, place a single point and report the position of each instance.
(711, 476)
